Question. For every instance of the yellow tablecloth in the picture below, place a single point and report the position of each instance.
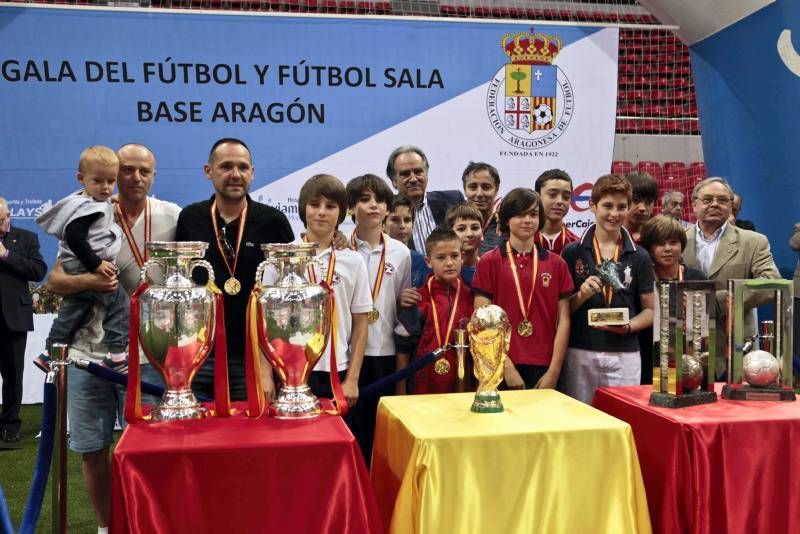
(548, 463)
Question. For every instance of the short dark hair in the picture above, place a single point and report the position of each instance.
(551, 174)
(401, 200)
(478, 166)
(368, 182)
(643, 186)
(440, 234)
(462, 211)
(661, 229)
(405, 149)
(517, 201)
(323, 185)
(225, 140)
(611, 184)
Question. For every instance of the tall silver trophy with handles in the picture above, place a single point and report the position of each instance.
(176, 324)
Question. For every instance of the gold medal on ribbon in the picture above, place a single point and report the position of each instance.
(373, 315)
(525, 328)
(442, 366)
(232, 286)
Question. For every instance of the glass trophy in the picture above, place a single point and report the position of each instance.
(684, 346)
(760, 367)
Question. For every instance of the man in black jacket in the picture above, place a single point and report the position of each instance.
(20, 263)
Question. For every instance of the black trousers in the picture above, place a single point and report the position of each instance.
(203, 383)
(12, 364)
(365, 411)
(530, 374)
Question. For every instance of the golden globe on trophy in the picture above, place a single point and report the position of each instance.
(684, 348)
(760, 366)
(489, 338)
(176, 324)
(294, 321)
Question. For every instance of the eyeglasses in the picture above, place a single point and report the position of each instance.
(230, 254)
(406, 174)
(708, 200)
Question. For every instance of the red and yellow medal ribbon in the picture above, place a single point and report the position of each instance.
(545, 242)
(222, 396)
(376, 287)
(444, 344)
(608, 291)
(240, 233)
(139, 255)
(133, 397)
(524, 308)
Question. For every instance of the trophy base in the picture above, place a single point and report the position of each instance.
(693, 398)
(608, 317)
(488, 402)
(751, 393)
(295, 402)
(177, 404)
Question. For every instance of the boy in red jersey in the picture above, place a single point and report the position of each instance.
(533, 286)
(445, 300)
(555, 189)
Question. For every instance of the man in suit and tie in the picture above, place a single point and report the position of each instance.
(20, 263)
(723, 251)
(408, 170)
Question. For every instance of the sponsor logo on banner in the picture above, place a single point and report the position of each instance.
(581, 196)
(28, 208)
(530, 101)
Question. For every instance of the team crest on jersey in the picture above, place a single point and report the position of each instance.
(580, 268)
(546, 277)
(530, 100)
(389, 269)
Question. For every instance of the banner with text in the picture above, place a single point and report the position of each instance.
(308, 94)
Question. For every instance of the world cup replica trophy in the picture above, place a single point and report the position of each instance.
(489, 338)
(176, 324)
(293, 324)
(763, 373)
(684, 344)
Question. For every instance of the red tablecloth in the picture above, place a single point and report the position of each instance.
(240, 475)
(730, 466)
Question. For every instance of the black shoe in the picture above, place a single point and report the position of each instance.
(11, 436)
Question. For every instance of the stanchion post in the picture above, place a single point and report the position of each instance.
(58, 469)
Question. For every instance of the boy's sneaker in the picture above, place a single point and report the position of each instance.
(116, 362)
(42, 361)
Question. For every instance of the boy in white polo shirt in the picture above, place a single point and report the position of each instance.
(388, 264)
(322, 207)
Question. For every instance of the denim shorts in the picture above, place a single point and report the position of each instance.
(93, 405)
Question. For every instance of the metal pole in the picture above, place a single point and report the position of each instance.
(58, 469)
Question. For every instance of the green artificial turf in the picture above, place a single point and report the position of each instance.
(16, 473)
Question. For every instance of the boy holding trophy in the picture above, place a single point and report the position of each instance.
(614, 299)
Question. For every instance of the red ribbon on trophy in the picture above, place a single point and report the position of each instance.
(133, 397)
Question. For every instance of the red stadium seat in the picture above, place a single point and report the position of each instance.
(621, 167)
(673, 167)
(651, 167)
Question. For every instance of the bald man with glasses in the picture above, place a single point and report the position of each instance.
(723, 251)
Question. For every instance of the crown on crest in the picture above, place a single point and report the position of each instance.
(531, 48)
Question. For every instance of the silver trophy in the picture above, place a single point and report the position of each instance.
(294, 322)
(684, 347)
(176, 324)
(763, 373)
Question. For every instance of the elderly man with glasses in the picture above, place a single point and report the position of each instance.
(723, 251)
